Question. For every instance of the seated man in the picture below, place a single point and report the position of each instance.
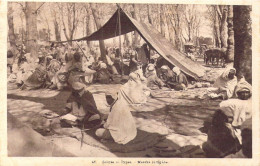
(225, 84)
(181, 81)
(102, 75)
(246, 150)
(81, 102)
(153, 82)
(224, 134)
(166, 75)
(120, 125)
(38, 78)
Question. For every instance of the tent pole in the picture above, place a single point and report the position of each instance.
(119, 30)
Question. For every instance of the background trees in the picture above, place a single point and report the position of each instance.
(29, 22)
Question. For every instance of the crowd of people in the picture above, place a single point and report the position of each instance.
(60, 66)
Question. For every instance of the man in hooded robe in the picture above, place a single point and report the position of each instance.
(225, 84)
(120, 125)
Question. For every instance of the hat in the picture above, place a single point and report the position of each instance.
(150, 67)
(103, 65)
(176, 70)
(164, 67)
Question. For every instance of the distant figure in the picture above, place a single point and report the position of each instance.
(133, 61)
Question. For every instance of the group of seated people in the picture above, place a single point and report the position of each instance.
(79, 70)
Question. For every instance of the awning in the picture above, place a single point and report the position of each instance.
(152, 37)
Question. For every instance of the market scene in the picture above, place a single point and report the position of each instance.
(129, 80)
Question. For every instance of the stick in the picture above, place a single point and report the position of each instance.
(81, 49)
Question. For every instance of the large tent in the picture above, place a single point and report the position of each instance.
(111, 29)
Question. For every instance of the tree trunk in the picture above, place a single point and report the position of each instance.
(162, 23)
(149, 14)
(89, 27)
(127, 41)
(243, 41)
(223, 25)
(31, 29)
(216, 28)
(57, 30)
(171, 31)
(134, 15)
(230, 41)
(97, 20)
(11, 34)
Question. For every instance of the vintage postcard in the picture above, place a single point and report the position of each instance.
(130, 83)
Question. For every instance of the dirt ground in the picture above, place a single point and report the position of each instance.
(177, 115)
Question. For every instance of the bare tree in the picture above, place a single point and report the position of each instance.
(191, 22)
(230, 41)
(89, 22)
(150, 20)
(222, 13)
(174, 17)
(72, 13)
(56, 24)
(134, 15)
(97, 19)
(31, 29)
(11, 34)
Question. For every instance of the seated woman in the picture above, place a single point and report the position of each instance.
(120, 125)
(181, 81)
(224, 134)
(225, 84)
(153, 82)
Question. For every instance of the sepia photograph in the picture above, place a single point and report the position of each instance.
(129, 80)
